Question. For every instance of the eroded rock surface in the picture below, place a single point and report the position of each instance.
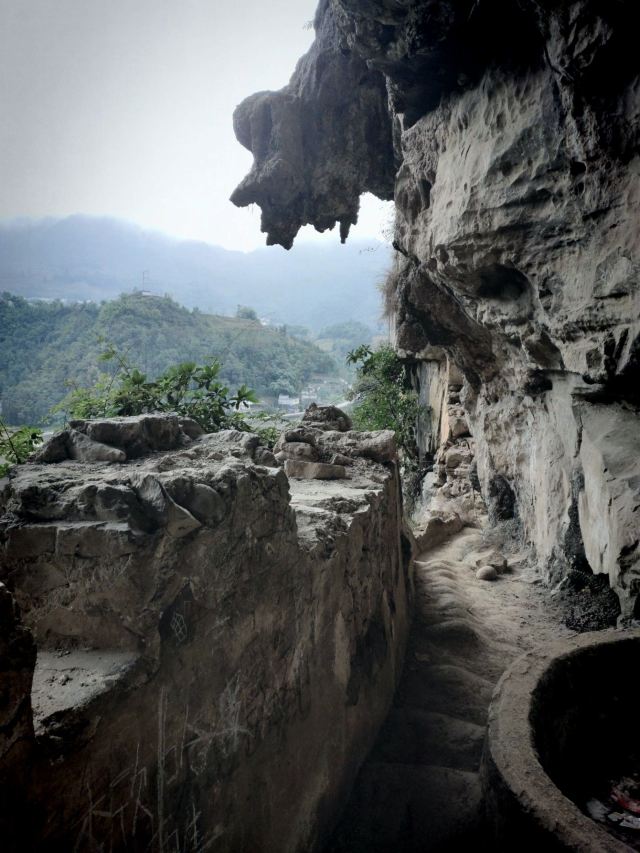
(217, 644)
(512, 132)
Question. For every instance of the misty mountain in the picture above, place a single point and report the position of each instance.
(91, 258)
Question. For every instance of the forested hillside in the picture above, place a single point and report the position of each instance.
(45, 346)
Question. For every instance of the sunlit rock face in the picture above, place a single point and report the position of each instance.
(512, 131)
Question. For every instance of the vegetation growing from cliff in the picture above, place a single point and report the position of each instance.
(45, 347)
(383, 397)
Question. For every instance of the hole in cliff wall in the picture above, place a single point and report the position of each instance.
(588, 602)
(385, 34)
(502, 499)
(177, 622)
(424, 188)
(537, 383)
(543, 351)
(502, 283)
(573, 541)
(622, 381)
(406, 549)
(625, 384)
(414, 198)
(369, 657)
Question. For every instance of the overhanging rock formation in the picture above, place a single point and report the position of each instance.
(217, 645)
(318, 144)
(512, 131)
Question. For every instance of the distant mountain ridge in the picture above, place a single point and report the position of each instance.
(93, 258)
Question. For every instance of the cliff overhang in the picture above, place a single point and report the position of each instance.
(508, 134)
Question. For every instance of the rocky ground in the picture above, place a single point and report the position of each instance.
(420, 788)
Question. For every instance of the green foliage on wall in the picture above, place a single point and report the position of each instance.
(383, 397)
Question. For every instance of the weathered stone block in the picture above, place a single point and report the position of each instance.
(136, 435)
(263, 456)
(314, 470)
(298, 434)
(190, 428)
(229, 591)
(326, 418)
(84, 449)
(299, 450)
(55, 449)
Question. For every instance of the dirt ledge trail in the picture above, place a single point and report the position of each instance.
(419, 790)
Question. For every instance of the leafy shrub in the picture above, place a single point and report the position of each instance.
(383, 397)
(16, 445)
(244, 312)
(190, 389)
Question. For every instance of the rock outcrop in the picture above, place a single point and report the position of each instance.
(217, 645)
(330, 88)
(512, 133)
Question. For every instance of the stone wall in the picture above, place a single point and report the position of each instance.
(217, 644)
(514, 145)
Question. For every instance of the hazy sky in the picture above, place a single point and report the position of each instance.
(123, 108)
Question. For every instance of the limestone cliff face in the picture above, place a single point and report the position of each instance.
(511, 130)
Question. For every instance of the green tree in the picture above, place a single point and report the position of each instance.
(44, 346)
(246, 313)
(383, 396)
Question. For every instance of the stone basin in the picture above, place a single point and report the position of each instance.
(562, 724)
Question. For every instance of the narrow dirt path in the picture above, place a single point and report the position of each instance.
(419, 790)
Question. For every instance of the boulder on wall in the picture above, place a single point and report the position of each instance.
(326, 418)
(324, 444)
(508, 135)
